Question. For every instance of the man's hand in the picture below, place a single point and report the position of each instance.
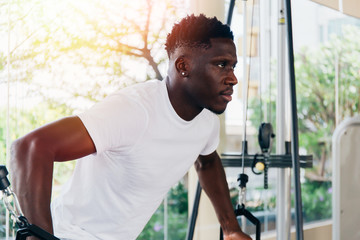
(236, 236)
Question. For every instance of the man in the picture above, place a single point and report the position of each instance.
(136, 144)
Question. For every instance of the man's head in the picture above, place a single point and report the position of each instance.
(196, 32)
(202, 57)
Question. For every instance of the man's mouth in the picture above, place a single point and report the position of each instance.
(227, 95)
(227, 98)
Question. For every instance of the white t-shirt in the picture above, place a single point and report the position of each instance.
(142, 149)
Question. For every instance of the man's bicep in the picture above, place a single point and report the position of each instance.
(205, 160)
(66, 138)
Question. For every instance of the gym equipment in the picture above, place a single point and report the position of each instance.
(290, 159)
(345, 180)
(12, 204)
(265, 138)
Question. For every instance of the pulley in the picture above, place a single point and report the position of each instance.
(265, 137)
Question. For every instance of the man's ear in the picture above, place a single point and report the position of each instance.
(182, 66)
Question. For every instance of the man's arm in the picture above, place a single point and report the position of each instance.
(32, 159)
(213, 181)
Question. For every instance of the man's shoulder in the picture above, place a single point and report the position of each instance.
(142, 88)
(142, 96)
(148, 84)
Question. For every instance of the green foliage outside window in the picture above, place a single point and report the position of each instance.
(316, 199)
(177, 217)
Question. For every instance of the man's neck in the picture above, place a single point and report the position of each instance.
(180, 103)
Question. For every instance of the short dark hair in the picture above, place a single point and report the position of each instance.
(196, 31)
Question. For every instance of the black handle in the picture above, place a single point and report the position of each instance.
(4, 181)
(241, 211)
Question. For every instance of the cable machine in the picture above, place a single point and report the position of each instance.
(25, 229)
(264, 160)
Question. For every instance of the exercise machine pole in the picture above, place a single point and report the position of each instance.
(283, 216)
(194, 213)
(230, 12)
(294, 127)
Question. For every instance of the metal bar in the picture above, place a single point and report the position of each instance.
(194, 213)
(283, 199)
(274, 161)
(244, 79)
(230, 12)
(294, 127)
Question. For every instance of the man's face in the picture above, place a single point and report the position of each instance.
(212, 78)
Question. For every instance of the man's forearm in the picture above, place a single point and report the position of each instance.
(213, 181)
(31, 178)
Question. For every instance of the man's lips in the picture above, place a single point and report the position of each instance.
(227, 94)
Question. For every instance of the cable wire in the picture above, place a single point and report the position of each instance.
(247, 78)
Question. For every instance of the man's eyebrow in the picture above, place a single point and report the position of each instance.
(224, 58)
(227, 56)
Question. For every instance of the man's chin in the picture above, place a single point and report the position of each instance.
(218, 111)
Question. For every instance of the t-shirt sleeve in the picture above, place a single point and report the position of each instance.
(214, 138)
(116, 122)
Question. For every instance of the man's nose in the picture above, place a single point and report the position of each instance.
(231, 79)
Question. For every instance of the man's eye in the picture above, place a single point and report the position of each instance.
(222, 65)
